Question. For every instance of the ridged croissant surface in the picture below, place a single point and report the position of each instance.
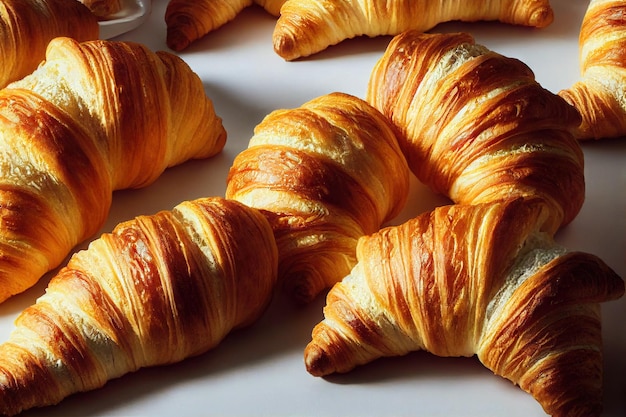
(306, 27)
(26, 27)
(476, 126)
(599, 95)
(155, 291)
(97, 117)
(190, 20)
(326, 173)
(475, 280)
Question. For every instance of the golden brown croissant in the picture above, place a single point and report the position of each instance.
(156, 290)
(190, 20)
(306, 27)
(26, 27)
(599, 95)
(97, 117)
(326, 173)
(476, 126)
(103, 8)
(475, 280)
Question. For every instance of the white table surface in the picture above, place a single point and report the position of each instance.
(259, 371)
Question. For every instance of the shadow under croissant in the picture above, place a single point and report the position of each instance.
(419, 365)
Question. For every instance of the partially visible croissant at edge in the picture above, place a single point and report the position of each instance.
(599, 95)
(27, 26)
(325, 173)
(306, 27)
(476, 126)
(155, 291)
(481, 280)
(103, 8)
(95, 117)
(189, 20)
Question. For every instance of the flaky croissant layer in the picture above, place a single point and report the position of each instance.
(326, 173)
(476, 126)
(481, 280)
(156, 290)
(95, 117)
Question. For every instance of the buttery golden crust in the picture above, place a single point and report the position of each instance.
(306, 27)
(96, 117)
(53, 188)
(325, 173)
(600, 95)
(481, 280)
(26, 27)
(156, 290)
(476, 126)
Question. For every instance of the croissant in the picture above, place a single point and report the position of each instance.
(476, 126)
(26, 27)
(482, 280)
(325, 173)
(103, 8)
(155, 291)
(599, 95)
(306, 27)
(190, 20)
(96, 117)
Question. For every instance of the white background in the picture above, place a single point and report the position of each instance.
(259, 371)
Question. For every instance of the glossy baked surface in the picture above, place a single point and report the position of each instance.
(260, 370)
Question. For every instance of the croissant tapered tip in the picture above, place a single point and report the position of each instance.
(542, 17)
(285, 47)
(317, 361)
(181, 28)
(177, 40)
(303, 287)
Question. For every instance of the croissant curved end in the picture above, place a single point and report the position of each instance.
(285, 46)
(317, 361)
(296, 36)
(177, 40)
(542, 17)
(304, 287)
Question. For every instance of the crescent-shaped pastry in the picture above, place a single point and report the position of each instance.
(156, 290)
(98, 116)
(306, 27)
(476, 126)
(325, 173)
(480, 280)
